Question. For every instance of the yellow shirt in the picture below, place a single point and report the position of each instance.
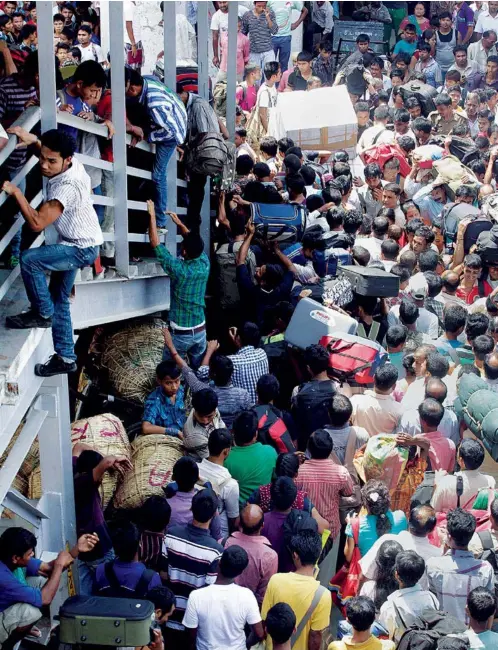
(297, 591)
(370, 644)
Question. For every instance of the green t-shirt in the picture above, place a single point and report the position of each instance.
(405, 47)
(283, 14)
(251, 467)
(489, 638)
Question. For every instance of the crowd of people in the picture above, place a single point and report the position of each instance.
(271, 523)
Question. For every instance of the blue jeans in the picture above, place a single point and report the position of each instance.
(87, 572)
(53, 300)
(15, 244)
(193, 345)
(99, 209)
(164, 151)
(282, 49)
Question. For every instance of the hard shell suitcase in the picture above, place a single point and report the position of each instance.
(353, 359)
(90, 620)
(285, 222)
(367, 281)
(311, 321)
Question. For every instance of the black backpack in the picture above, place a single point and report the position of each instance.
(490, 555)
(115, 590)
(272, 430)
(311, 408)
(423, 494)
(423, 632)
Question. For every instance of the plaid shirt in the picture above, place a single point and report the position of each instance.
(249, 364)
(324, 69)
(436, 307)
(188, 287)
(159, 410)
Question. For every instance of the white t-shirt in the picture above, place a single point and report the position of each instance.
(220, 612)
(219, 21)
(130, 17)
(229, 495)
(267, 96)
(92, 53)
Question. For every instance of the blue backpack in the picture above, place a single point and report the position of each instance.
(285, 222)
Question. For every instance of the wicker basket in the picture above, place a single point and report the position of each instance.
(153, 457)
(35, 484)
(20, 483)
(106, 434)
(131, 357)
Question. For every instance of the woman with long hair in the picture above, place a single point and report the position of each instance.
(385, 582)
(378, 521)
(418, 19)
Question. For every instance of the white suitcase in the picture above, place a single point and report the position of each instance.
(311, 320)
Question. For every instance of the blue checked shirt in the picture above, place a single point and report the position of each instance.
(166, 111)
(160, 411)
(188, 287)
(249, 364)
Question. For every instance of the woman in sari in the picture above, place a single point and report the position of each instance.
(418, 19)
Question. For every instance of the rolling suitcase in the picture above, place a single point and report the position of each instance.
(285, 222)
(90, 620)
(367, 281)
(311, 321)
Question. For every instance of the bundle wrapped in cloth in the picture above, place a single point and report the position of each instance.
(478, 405)
(382, 459)
(153, 457)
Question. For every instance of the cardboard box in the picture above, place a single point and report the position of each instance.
(322, 118)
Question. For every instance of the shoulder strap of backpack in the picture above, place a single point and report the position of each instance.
(398, 614)
(374, 141)
(111, 577)
(459, 489)
(486, 540)
(451, 352)
(143, 584)
(230, 247)
(302, 624)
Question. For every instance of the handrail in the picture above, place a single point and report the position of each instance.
(28, 119)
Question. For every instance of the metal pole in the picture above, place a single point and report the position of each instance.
(169, 19)
(119, 139)
(203, 36)
(104, 26)
(46, 63)
(232, 66)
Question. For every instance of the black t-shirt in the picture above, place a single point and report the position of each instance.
(446, 38)
(296, 81)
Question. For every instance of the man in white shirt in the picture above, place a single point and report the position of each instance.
(216, 615)
(226, 488)
(376, 410)
(470, 457)
(219, 24)
(488, 19)
(479, 52)
(89, 51)
(267, 94)
(68, 207)
(410, 599)
(467, 69)
(420, 525)
(378, 133)
(132, 38)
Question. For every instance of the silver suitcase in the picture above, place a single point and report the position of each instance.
(311, 320)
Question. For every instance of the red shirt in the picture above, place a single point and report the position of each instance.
(104, 111)
(473, 295)
(442, 451)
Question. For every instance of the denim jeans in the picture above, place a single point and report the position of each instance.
(108, 248)
(193, 345)
(53, 300)
(15, 244)
(87, 572)
(164, 151)
(260, 58)
(99, 209)
(282, 49)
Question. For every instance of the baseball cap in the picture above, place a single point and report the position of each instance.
(417, 287)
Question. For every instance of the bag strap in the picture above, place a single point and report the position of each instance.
(374, 141)
(230, 247)
(459, 489)
(355, 525)
(302, 624)
(350, 447)
(486, 540)
(451, 351)
(143, 584)
(398, 614)
(112, 579)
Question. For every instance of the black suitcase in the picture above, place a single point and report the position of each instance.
(91, 620)
(367, 281)
(423, 92)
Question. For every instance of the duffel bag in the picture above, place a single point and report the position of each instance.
(285, 222)
(423, 92)
(487, 246)
(207, 154)
(353, 359)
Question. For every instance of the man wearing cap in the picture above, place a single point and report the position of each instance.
(427, 322)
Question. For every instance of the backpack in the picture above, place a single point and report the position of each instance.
(311, 407)
(220, 98)
(213, 484)
(355, 81)
(208, 154)
(489, 554)
(452, 215)
(424, 631)
(487, 246)
(272, 430)
(229, 290)
(254, 127)
(115, 590)
(296, 522)
(423, 494)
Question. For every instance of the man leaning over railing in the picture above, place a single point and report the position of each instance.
(69, 208)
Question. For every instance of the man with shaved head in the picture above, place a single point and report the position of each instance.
(451, 282)
(491, 371)
(263, 561)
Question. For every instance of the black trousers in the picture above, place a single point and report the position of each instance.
(195, 192)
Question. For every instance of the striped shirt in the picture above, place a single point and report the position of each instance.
(324, 482)
(256, 27)
(13, 99)
(193, 557)
(188, 287)
(166, 111)
(150, 551)
(78, 224)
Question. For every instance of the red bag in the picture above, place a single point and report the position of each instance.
(384, 152)
(483, 522)
(353, 359)
(344, 585)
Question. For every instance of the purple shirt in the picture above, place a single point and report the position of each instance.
(12, 591)
(463, 19)
(273, 529)
(181, 513)
(263, 562)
